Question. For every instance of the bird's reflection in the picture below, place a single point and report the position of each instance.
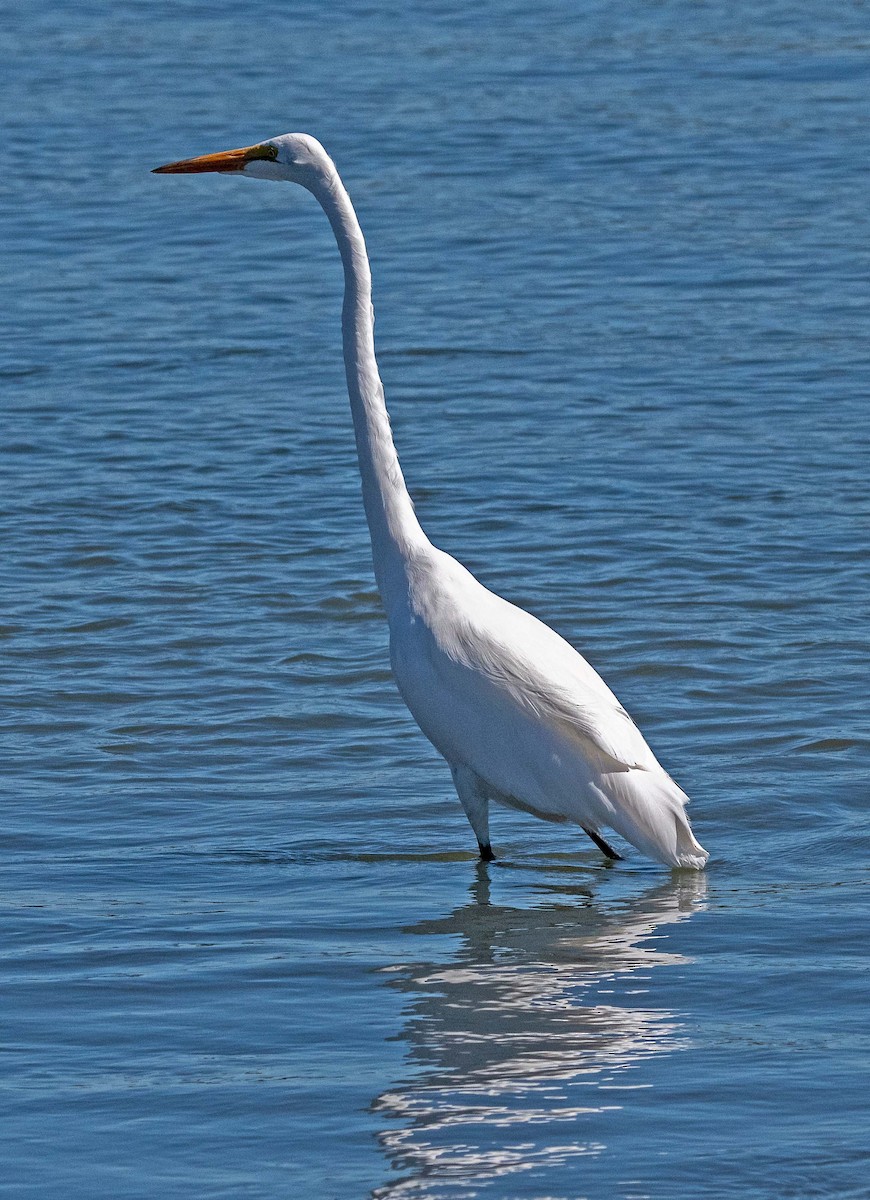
(526, 1035)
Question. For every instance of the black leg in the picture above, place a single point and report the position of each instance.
(486, 853)
(601, 844)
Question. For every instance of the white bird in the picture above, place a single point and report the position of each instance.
(521, 718)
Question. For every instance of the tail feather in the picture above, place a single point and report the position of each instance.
(647, 809)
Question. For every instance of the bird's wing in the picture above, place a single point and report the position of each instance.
(544, 675)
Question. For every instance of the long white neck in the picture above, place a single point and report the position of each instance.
(395, 531)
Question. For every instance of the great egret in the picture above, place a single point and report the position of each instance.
(519, 715)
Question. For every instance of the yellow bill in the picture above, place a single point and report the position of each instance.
(225, 160)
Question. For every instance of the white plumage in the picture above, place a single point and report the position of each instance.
(519, 715)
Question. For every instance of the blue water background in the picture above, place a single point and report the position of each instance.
(621, 265)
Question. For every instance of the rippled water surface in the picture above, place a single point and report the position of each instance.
(621, 266)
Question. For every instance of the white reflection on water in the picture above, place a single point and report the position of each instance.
(518, 1043)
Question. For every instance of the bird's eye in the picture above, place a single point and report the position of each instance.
(272, 152)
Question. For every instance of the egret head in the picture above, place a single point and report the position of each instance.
(292, 156)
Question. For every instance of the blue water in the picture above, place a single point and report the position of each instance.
(621, 264)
